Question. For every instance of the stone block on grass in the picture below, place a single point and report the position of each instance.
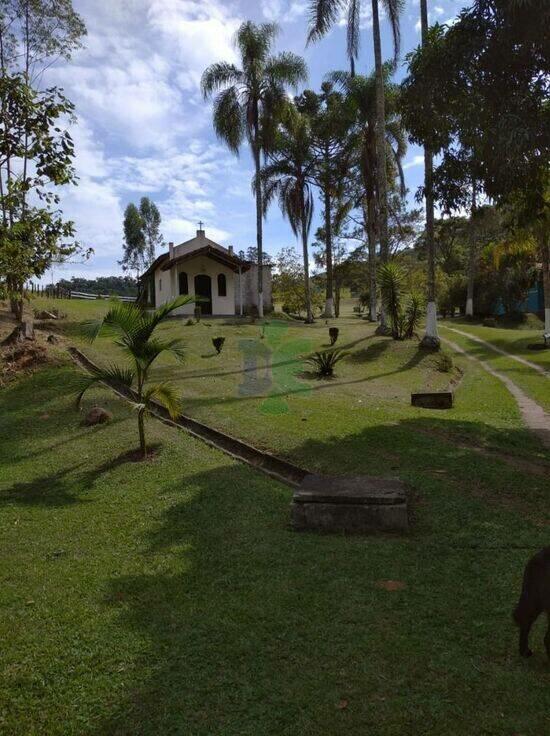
(433, 400)
(353, 505)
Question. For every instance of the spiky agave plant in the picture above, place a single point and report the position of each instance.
(325, 360)
(391, 279)
(404, 318)
(133, 331)
(413, 314)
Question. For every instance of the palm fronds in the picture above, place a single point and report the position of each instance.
(324, 361)
(323, 14)
(134, 333)
(165, 395)
(113, 375)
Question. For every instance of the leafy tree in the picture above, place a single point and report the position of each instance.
(36, 152)
(330, 123)
(289, 283)
(31, 235)
(252, 256)
(287, 177)
(361, 94)
(323, 15)
(247, 103)
(508, 268)
(343, 265)
(34, 34)
(477, 95)
(150, 217)
(133, 253)
(134, 332)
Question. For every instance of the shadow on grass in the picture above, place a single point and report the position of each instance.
(257, 630)
(370, 353)
(50, 491)
(27, 423)
(66, 487)
(417, 358)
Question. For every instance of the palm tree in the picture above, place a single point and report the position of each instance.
(134, 330)
(431, 338)
(330, 125)
(248, 100)
(323, 14)
(287, 176)
(361, 95)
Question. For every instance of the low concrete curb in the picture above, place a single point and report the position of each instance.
(359, 504)
(273, 466)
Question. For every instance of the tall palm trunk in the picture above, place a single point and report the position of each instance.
(545, 257)
(382, 183)
(431, 338)
(329, 301)
(259, 218)
(369, 218)
(304, 231)
(472, 258)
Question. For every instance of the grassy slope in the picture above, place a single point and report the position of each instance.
(172, 598)
(514, 342)
(372, 386)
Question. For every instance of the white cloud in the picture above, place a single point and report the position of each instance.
(365, 16)
(417, 160)
(283, 11)
(142, 126)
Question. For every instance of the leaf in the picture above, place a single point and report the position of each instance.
(343, 704)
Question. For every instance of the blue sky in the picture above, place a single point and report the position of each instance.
(143, 128)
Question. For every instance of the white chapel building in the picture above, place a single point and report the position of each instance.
(227, 284)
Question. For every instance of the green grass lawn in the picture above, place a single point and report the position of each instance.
(172, 598)
(514, 342)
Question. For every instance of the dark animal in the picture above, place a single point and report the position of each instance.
(534, 600)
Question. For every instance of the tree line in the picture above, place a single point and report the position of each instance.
(475, 96)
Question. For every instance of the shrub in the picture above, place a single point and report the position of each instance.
(190, 322)
(218, 342)
(404, 320)
(333, 333)
(489, 322)
(444, 363)
(413, 315)
(325, 360)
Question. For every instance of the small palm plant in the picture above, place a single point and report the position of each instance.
(325, 360)
(133, 331)
(404, 318)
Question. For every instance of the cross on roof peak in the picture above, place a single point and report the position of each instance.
(201, 223)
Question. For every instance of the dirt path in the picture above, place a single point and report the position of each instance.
(489, 345)
(532, 414)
